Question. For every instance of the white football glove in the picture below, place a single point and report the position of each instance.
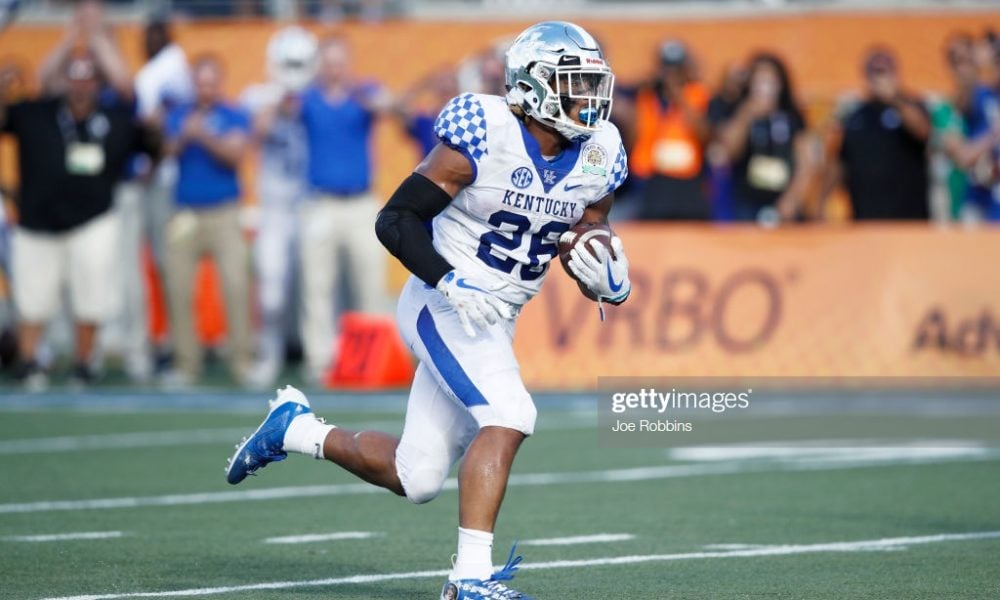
(604, 275)
(474, 301)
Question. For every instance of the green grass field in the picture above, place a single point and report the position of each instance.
(145, 477)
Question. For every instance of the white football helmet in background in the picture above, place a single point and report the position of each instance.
(553, 65)
(292, 58)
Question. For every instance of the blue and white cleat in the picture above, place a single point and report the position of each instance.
(266, 444)
(486, 589)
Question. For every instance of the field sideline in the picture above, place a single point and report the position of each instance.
(122, 496)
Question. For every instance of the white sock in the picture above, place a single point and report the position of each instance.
(475, 555)
(306, 435)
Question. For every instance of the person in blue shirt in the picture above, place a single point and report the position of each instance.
(339, 113)
(982, 124)
(419, 107)
(209, 139)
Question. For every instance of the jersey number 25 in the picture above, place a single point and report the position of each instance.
(542, 244)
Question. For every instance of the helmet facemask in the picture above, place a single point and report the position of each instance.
(557, 75)
(556, 91)
(591, 89)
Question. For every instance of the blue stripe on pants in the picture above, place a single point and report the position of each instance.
(446, 363)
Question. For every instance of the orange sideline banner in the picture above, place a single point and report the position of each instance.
(812, 301)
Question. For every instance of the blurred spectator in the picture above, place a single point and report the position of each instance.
(949, 149)
(883, 151)
(721, 108)
(8, 324)
(164, 81)
(492, 70)
(419, 106)
(14, 77)
(670, 133)
(484, 72)
(88, 32)
(767, 143)
(987, 56)
(339, 113)
(127, 332)
(7, 321)
(723, 104)
(209, 138)
(71, 152)
(980, 156)
(146, 199)
(281, 173)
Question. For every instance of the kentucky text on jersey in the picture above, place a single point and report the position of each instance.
(541, 204)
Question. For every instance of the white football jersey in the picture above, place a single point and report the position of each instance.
(505, 225)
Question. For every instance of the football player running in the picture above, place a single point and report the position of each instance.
(509, 177)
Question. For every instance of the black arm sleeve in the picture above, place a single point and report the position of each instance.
(401, 228)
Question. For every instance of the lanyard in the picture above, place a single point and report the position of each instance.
(97, 126)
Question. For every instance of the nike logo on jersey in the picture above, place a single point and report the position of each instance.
(615, 287)
(569, 187)
(462, 283)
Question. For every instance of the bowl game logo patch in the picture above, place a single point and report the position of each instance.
(595, 160)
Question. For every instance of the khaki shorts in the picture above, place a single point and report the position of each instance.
(84, 258)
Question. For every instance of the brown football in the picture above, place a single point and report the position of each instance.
(586, 234)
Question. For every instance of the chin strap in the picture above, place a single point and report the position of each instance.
(571, 133)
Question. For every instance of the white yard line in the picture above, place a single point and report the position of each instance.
(536, 479)
(836, 450)
(736, 546)
(111, 441)
(148, 439)
(280, 493)
(324, 537)
(784, 550)
(62, 537)
(597, 538)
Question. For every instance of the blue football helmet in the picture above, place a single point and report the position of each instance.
(554, 66)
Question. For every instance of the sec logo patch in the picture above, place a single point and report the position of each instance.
(522, 177)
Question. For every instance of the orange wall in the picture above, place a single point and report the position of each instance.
(823, 50)
(811, 301)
